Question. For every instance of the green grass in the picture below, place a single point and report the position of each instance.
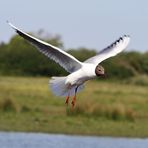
(103, 108)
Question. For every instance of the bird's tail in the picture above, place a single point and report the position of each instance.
(59, 88)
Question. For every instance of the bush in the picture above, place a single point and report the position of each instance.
(18, 57)
(9, 105)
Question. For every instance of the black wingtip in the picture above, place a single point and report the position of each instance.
(118, 41)
(126, 36)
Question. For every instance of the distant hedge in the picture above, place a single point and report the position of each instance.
(18, 57)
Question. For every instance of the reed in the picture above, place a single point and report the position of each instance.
(114, 112)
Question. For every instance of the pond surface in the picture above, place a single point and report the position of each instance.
(38, 140)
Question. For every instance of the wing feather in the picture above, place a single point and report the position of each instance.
(67, 61)
(110, 51)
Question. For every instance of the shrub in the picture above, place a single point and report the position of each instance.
(9, 105)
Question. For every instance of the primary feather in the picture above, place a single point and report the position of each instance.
(67, 61)
(110, 51)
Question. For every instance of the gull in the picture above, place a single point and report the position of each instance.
(79, 72)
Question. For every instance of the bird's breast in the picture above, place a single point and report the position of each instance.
(86, 73)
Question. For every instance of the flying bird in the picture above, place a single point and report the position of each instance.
(80, 72)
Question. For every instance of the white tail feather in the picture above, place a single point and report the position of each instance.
(59, 88)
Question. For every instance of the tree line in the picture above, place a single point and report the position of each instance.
(18, 57)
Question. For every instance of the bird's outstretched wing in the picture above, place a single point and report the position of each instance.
(67, 61)
(110, 51)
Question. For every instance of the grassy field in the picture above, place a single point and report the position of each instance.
(103, 108)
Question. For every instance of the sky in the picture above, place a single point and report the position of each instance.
(92, 24)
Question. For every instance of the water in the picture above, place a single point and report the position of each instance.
(32, 140)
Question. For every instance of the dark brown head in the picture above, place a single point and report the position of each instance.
(99, 71)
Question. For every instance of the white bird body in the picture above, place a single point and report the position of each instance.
(65, 86)
(78, 77)
(79, 71)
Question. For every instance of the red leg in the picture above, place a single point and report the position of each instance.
(67, 100)
(68, 96)
(74, 98)
(73, 101)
